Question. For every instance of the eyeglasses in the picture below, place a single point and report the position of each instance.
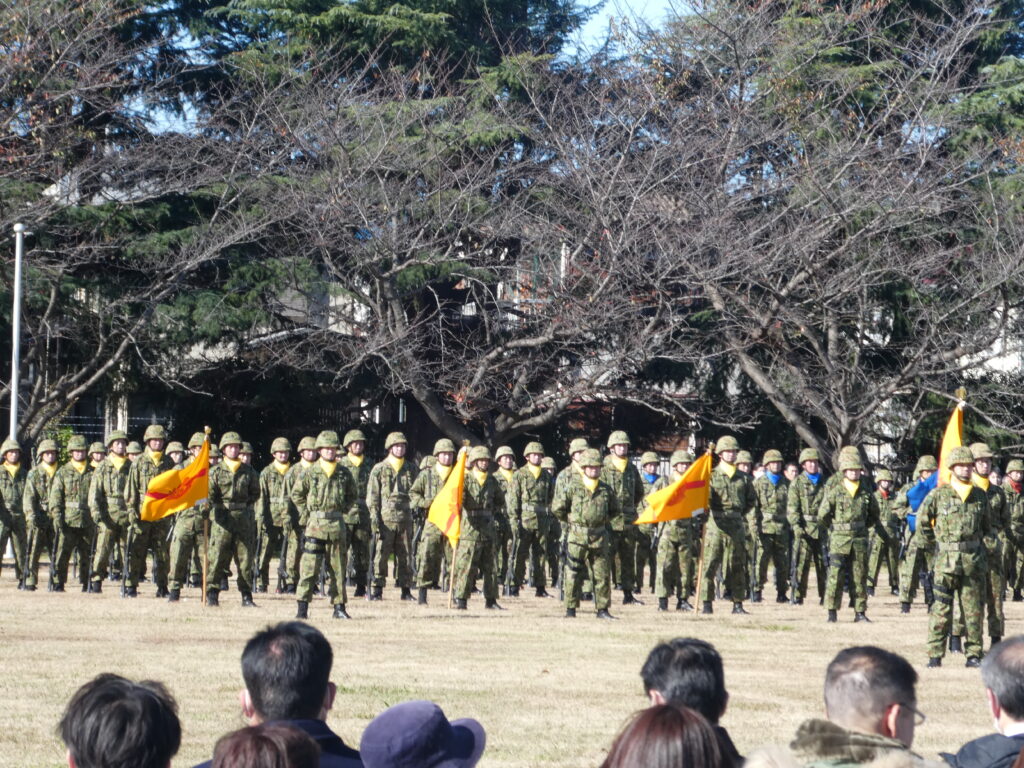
(919, 716)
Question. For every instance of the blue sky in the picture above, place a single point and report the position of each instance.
(651, 11)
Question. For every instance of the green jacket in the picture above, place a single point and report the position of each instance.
(142, 471)
(12, 490)
(1015, 510)
(887, 514)
(529, 498)
(772, 501)
(627, 486)
(69, 496)
(802, 500)
(999, 516)
(479, 504)
(426, 486)
(847, 518)
(387, 493)
(36, 501)
(106, 493)
(731, 500)
(319, 496)
(361, 479)
(821, 744)
(582, 509)
(291, 478)
(956, 529)
(233, 493)
(272, 507)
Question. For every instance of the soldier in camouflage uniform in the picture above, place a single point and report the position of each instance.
(562, 479)
(555, 527)
(36, 507)
(528, 501)
(107, 506)
(675, 562)
(357, 520)
(234, 491)
(955, 520)
(272, 509)
(69, 508)
(324, 496)
(12, 489)
(433, 544)
(916, 559)
(293, 546)
(1013, 487)
(619, 473)
(771, 490)
(177, 453)
(145, 535)
(505, 458)
(802, 502)
(731, 501)
(474, 555)
(188, 538)
(880, 550)
(647, 553)
(587, 505)
(97, 453)
(387, 498)
(848, 509)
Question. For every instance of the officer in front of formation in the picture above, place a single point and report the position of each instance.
(475, 554)
(433, 546)
(387, 500)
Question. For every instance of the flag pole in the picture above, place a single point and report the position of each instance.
(206, 540)
(451, 581)
(704, 534)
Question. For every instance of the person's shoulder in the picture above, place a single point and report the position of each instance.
(334, 752)
(991, 751)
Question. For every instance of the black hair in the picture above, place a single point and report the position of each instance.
(1003, 673)
(861, 682)
(687, 672)
(286, 669)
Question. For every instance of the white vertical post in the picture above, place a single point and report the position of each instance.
(19, 247)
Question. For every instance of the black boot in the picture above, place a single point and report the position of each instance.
(955, 644)
(422, 596)
(95, 587)
(996, 639)
(460, 604)
(796, 601)
(973, 662)
(934, 662)
(662, 603)
(832, 619)
(570, 613)
(738, 608)
(174, 596)
(360, 589)
(303, 609)
(195, 581)
(212, 599)
(492, 605)
(627, 598)
(586, 597)
(376, 593)
(904, 607)
(513, 591)
(757, 597)
(247, 600)
(161, 592)
(707, 609)
(603, 614)
(290, 589)
(541, 592)
(407, 594)
(871, 591)
(131, 591)
(340, 612)
(860, 616)
(224, 584)
(683, 605)
(1018, 597)
(780, 597)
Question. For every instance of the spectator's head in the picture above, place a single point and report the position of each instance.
(271, 745)
(664, 736)
(1003, 673)
(686, 672)
(416, 734)
(286, 669)
(871, 690)
(112, 722)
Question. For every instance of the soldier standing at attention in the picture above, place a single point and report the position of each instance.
(675, 545)
(97, 452)
(187, 538)
(177, 453)
(107, 506)
(802, 510)
(528, 501)
(1013, 487)
(146, 535)
(623, 478)
(955, 519)
(772, 489)
(387, 498)
(433, 544)
(272, 507)
(730, 501)
(916, 558)
(555, 528)
(293, 549)
(234, 490)
(474, 556)
(646, 554)
(881, 551)
(12, 522)
(505, 458)
(246, 454)
(36, 506)
(587, 505)
(847, 510)
(69, 508)
(357, 519)
(324, 495)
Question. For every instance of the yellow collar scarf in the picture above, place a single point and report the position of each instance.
(851, 486)
(395, 462)
(12, 469)
(619, 463)
(94, 464)
(590, 483)
(356, 461)
(232, 464)
(49, 469)
(535, 471)
(155, 456)
(78, 466)
(963, 490)
(505, 473)
(442, 471)
(305, 464)
(281, 467)
(327, 466)
(117, 461)
(728, 469)
(480, 475)
(980, 481)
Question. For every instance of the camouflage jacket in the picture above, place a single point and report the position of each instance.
(846, 517)
(956, 529)
(69, 496)
(731, 500)
(999, 515)
(12, 490)
(771, 501)
(272, 507)
(361, 479)
(233, 493)
(427, 485)
(291, 478)
(802, 500)
(317, 495)
(564, 479)
(628, 487)
(36, 501)
(887, 513)
(528, 499)
(479, 503)
(106, 493)
(582, 509)
(387, 492)
(1015, 510)
(142, 471)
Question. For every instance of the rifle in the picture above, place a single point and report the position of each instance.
(126, 558)
(414, 553)
(374, 543)
(282, 569)
(33, 542)
(794, 551)
(563, 556)
(54, 549)
(257, 550)
(92, 554)
(755, 543)
(928, 585)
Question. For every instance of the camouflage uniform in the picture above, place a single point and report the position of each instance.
(503, 528)
(1014, 553)
(563, 480)
(145, 535)
(233, 495)
(433, 545)
(475, 554)
(272, 512)
(12, 521)
(293, 545)
(357, 520)
(324, 496)
(775, 533)
(109, 510)
(916, 558)
(36, 507)
(188, 538)
(554, 541)
(802, 502)
(69, 507)
(882, 551)
(528, 501)
(387, 498)
(675, 563)
(624, 479)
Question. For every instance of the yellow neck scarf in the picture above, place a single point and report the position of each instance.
(980, 481)
(49, 469)
(506, 473)
(281, 467)
(305, 464)
(327, 466)
(619, 464)
(117, 461)
(232, 464)
(590, 483)
(95, 463)
(963, 490)
(155, 456)
(535, 471)
(395, 462)
(851, 486)
(442, 471)
(79, 466)
(12, 469)
(480, 475)
(727, 468)
(357, 461)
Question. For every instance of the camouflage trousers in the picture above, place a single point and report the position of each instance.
(109, 536)
(432, 550)
(857, 557)
(475, 557)
(268, 546)
(530, 543)
(145, 537)
(623, 545)
(14, 532)
(884, 553)
(773, 550)
(73, 541)
(809, 551)
(646, 556)
(589, 553)
(675, 562)
(40, 540)
(502, 544)
(359, 548)
(552, 552)
(393, 539)
(232, 537)
(968, 588)
(293, 555)
(915, 560)
(992, 590)
(326, 544)
(187, 540)
(726, 548)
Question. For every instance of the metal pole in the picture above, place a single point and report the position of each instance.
(19, 246)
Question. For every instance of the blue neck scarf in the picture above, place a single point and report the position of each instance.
(815, 478)
(650, 478)
(772, 477)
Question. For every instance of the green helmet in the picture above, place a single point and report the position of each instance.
(960, 455)
(444, 445)
(744, 457)
(246, 447)
(327, 439)
(809, 454)
(849, 460)
(351, 436)
(97, 447)
(78, 443)
(47, 445)
(280, 444)
(479, 452)
(394, 439)
(504, 450)
(578, 444)
(618, 437)
(134, 447)
(230, 438)
(154, 432)
(117, 434)
(590, 458)
(427, 462)
(926, 463)
(197, 440)
(307, 444)
(533, 447)
(1014, 465)
(175, 446)
(649, 457)
(981, 451)
(727, 443)
(548, 462)
(681, 457)
(215, 452)
(883, 474)
(771, 455)
(9, 445)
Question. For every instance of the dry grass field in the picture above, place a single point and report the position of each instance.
(549, 691)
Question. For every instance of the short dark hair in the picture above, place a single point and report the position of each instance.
(270, 745)
(861, 682)
(112, 722)
(664, 736)
(1003, 673)
(687, 672)
(286, 669)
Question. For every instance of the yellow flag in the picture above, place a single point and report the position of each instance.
(446, 508)
(952, 438)
(178, 489)
(686, 497)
